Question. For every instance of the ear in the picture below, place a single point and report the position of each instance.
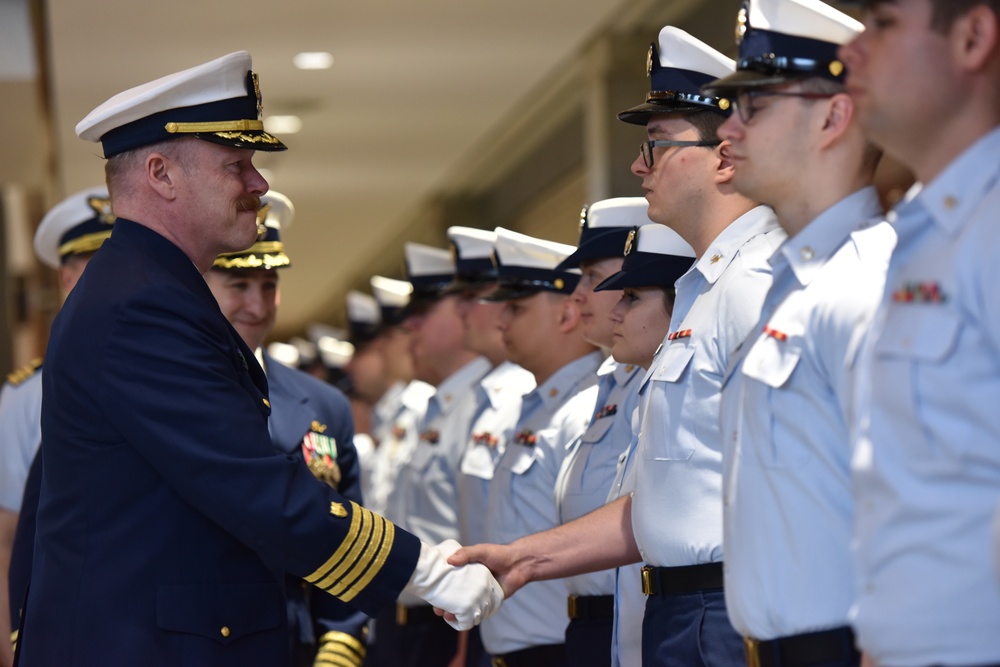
(724, 170)
(160, 172)
(569, 316)
(974, 38)
(839, 112)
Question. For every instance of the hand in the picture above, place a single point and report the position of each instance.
(502, 561)
(466, 595)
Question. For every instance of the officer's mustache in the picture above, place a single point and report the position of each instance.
(248, 203)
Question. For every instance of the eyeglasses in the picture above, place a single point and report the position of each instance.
(646, 147)
(743, 102)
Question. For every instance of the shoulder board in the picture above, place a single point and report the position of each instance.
(24, 372)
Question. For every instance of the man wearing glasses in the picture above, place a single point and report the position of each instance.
(787, 510)
(673, 521)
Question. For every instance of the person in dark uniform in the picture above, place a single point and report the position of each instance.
(166, 521)
(310, 420)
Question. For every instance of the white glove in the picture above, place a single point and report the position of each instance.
(469, 592)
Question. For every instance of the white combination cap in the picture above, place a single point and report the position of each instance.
(218, 101)
(77, 225)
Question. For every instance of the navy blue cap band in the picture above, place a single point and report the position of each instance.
(776, 53)
(597, 243)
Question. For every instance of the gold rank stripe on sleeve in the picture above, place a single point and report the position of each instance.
(339, 649)
(359, 557)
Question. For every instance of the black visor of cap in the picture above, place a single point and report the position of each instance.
(647, 269)
(674, 90)
(597, 243)
(519, 282)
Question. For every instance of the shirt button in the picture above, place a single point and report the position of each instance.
(950, 202)
(224, 631)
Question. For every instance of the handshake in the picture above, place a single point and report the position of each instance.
(464, 595)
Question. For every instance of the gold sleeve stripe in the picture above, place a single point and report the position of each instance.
(346, 577)
(340, 649)
(344, 639)
(326, 660)
(359, 557)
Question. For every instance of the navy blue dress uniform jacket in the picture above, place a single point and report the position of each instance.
(166, 519)
(302, 404)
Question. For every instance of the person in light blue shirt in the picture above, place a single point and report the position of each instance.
(786, 402)
(590, 468)
(542, 331)
(655, 257)
(497, 395)
(926, 467)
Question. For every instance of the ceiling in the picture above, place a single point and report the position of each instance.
(418, 97)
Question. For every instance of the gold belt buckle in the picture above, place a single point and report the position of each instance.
(499, 662)
(571, 606)
(752, 649)
(401, 614)
(647, 580)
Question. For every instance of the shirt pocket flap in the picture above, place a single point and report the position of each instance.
(479, 461)
(597, 430)
(928, 333)
(772, 361)
(222, 612)
(676, 358)
(518, 458)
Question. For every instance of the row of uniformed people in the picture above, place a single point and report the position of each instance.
(529, 422)
(815, 408)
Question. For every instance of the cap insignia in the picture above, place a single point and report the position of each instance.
(583, 216)
(102, 207)
(836, 68)
(629, 240)
(256, 92)
(261, 217)
(649, 60)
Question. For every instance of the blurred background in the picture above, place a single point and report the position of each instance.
(402, 118)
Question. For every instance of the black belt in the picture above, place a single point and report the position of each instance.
(591, 606)
(534, 656)
(688, 579)
(422, 614)
(802, 650)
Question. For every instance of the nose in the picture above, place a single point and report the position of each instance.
(579, 295)
(253, 301)
(618, 312)
(850, 53)
(503, 321)
(256, 184)
(639, 167)
(729, 130)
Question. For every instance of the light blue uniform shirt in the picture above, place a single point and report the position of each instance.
(677, 505)
(522, 499)
(927, 460)
(630, 603)
(590, 468)
(787, 506)
(397, 436)
(426, 491)
(498, 401)
(20, 436)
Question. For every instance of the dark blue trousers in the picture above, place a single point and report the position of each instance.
(588, 642)
(690, 630)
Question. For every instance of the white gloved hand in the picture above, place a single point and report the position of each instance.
(469, 592)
